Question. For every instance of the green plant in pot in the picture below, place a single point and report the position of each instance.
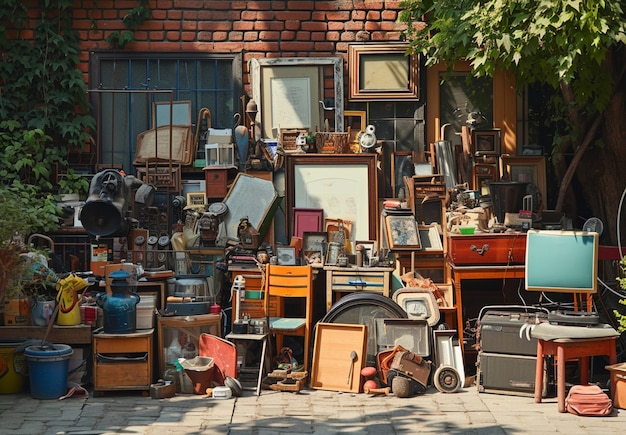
(23, 213)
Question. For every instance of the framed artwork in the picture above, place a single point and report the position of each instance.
(383, 72)
(402, 233)
(526, 169)
(288, 92)
(171, 113)
(355, 120)
(343, 185)
(314, 247)
(486, 142)
(484, 174)
(307, 220)
(430, 238)
(370, 250)
(196, 199)
(286, 255)
(332, 256)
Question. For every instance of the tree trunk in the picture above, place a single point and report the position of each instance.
(602, 170)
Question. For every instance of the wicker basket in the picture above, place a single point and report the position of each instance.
(332, 143)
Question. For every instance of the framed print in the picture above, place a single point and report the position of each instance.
(370, 250)
(288, 92)
(383, 72)
(430, 238)
(286, 255)
(486, 142)
(526, 169)
(171, 113)
(314, 246)
(196, 199)
(343, 185)
(402, 233)
(483, 174)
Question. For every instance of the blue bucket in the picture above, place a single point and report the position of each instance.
(47, 368)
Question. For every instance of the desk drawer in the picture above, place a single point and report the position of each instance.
(487, 249)
(351, 281)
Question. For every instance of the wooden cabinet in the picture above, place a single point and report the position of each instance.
(122, 361)
(184, 331)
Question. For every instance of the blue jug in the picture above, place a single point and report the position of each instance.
(120, 307)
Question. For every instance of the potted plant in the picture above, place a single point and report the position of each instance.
(22, 215)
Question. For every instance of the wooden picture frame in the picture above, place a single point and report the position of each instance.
(178, 112)
(402, 232)
(526, 169)
(383, 72)
(298, 87)
(486, 142)
(286, 255)
(349, 185)
(307, 220)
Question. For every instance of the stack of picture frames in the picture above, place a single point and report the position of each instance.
(401, 232)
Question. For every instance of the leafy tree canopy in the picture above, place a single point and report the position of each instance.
(550, 41)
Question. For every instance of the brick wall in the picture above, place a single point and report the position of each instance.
(254, 28)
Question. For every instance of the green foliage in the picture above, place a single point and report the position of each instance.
(132, 20)
(550, 41)
(621, 318)
(73, 182)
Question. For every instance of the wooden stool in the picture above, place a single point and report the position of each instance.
(569, 348)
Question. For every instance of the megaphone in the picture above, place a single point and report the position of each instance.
(105, 211)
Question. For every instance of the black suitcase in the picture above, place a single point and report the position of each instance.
(499, 332)
(508, 374)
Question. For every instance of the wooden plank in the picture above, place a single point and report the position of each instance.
(79, 334)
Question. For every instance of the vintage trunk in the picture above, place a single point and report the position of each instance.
(488, 248)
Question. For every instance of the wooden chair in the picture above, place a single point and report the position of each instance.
(290, 282)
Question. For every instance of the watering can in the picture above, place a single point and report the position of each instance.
(68, 299)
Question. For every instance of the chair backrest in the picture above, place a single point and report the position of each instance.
(289, 282)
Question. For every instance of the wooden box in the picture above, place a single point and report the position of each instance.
(122, 361)
(216, 182)
(487, 249)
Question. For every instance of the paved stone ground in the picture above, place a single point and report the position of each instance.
(314, 412)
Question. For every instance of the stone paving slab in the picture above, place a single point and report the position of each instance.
(311, 412)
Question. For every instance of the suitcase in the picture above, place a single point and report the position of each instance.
(499, 332)
(487, 249)
(507, 374)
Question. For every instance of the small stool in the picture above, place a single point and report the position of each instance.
(246, 340)
(568, 348)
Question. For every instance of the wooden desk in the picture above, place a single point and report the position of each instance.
(460, 273)
(350, 279)
(568, 348)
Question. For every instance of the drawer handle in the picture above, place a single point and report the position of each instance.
(480, 251)
(357, 282)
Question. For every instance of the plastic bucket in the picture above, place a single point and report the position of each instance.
(12, 368)
(47, 368)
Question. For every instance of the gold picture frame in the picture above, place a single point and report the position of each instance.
(196, 199)
(402, 233)
(355, 120)
(383, 72)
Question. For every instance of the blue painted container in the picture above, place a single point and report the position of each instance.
(47, 369)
